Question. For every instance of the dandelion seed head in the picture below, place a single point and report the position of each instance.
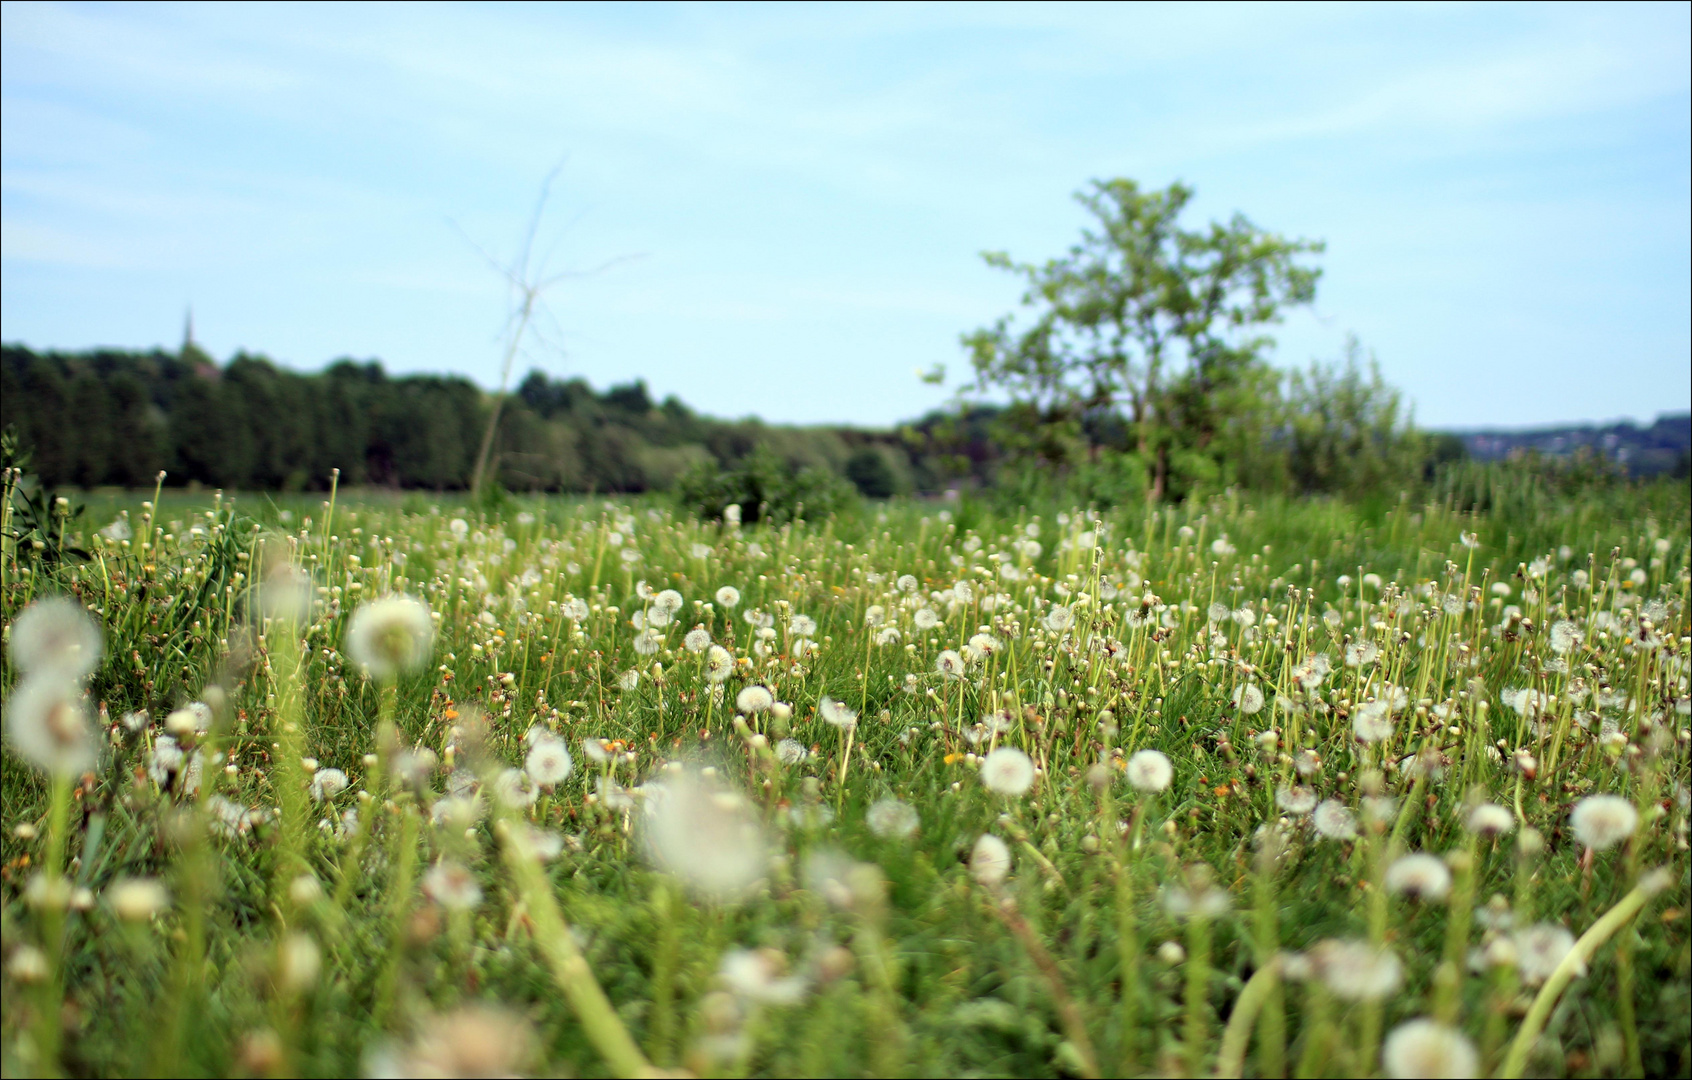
(1490, 819)
(1564, 636)
(55, 635)
(950, 664)
(137, 899)
(451, 885)
(1603, 821)
(704, 836)
(1539, 949)
(1334, 820)
(1248, 698)
(892, 819)
(1371, 722)
(548, 762)
(1356, 970)
(757, 976)
(327, 783)
(753, 699)
(990, 861)
(473, 1041)
(837, 714)
(390, 636)
(1297, 800)
(1424, 1049)
(49, 725)
(1419, 875)
(1008, 771)
(1150, 771)
(697, 640)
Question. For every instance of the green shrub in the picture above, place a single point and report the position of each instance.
(765, 487)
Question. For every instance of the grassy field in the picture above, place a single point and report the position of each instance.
(1268, 788)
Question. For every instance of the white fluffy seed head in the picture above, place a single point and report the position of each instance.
(1539, 949)
(837, 714)
(753, 699)
(728, 596)
(1334, 820)
(1372, 721)
(56, 635)
(1356, 970)
(719, 665)
(891, 819)
(707, 837)
(451, 885)
(1425, 1049)
(1603, 821)
(1490, 819)
(1008, 771)
(1419, 875)
(137, 899)
(1150, 770)
(391, 636)
(548, 762)
(990, 861)
(1248, 698)
(47, 723)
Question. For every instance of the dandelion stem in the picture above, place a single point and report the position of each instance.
(1198, 992)
(1515, 1059)
(667, 911)
(1257, 992)
(48, 1024)
(404, 861)
(593, 1009)
(1069, 1014)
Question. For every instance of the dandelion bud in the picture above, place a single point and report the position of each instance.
(136, 899)
(261, 1052)
(42, 892)
(1171, 953)
(305, 891)
(298, 963)
(1530, 842)
(28, 965)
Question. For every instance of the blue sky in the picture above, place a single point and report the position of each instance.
(1504, 190)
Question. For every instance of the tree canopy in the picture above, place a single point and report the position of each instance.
(1145, 321)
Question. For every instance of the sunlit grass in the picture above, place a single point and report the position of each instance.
(1334, 690)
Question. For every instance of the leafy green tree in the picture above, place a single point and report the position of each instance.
(1349, 433)
(1147, 319)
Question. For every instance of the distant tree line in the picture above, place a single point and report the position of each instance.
(113, 417)
(109, 417)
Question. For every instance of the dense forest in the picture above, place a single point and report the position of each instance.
(110, 417)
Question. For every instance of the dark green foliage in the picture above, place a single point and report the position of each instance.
(765, 487)
(870, 473)
(107, 418)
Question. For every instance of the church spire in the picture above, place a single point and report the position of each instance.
(188, 329)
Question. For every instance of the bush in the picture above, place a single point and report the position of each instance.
(870, 473)
(765, 487)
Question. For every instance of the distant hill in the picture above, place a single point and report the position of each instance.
(1642, 451)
